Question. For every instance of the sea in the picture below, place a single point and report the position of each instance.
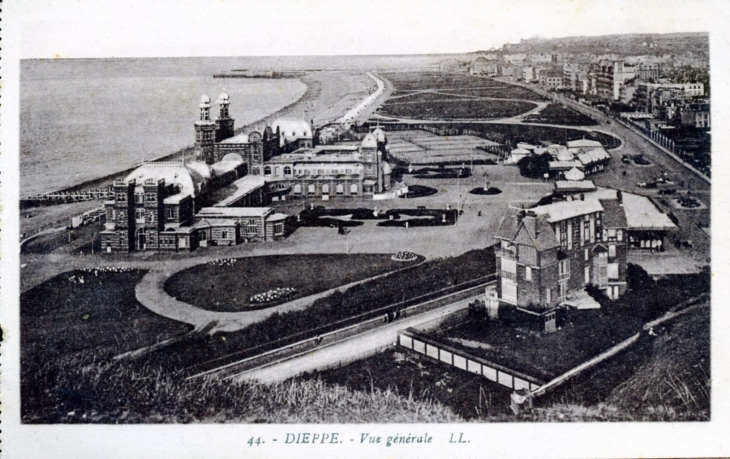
(81, 119)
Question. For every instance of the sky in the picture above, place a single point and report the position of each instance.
(153, 28)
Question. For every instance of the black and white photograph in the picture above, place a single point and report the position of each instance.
(250, 229)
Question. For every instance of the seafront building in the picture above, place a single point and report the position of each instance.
(166, 205)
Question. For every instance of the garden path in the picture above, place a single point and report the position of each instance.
(150, 291)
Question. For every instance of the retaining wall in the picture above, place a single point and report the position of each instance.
(507, 377)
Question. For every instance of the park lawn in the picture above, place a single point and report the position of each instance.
(558, 114)
(228, 287)
(63, 320)
(457, 109)
(420, 378)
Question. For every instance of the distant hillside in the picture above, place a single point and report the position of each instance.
(697, 43)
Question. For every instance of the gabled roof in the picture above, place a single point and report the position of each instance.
(592, 156)
(534, 231)
(574, 175)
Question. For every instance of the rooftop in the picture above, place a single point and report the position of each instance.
(233, 212)
(564, 210)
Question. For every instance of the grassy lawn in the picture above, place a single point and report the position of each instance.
(423, 379)
(584, 335)
(120, 393)
(64, 320)
(557, 114)
(228, 287)
(456, 109)
(459, 84)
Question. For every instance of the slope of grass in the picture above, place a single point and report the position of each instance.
(122, 393)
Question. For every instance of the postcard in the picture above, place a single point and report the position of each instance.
(374, 229)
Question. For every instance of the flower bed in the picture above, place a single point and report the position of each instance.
(273, 295)
(404, 256)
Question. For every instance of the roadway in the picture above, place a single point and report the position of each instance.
(348, 350)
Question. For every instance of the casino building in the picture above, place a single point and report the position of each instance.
(166, 205)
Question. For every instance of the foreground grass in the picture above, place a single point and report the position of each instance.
(82, 392)
(400, 371)
(86, 314)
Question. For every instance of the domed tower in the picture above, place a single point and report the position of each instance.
(224, 123)
(204, 133)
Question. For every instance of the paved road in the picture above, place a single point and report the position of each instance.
(348, 350)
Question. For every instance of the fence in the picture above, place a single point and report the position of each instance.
(513, 379)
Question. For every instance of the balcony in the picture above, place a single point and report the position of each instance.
(564, 276)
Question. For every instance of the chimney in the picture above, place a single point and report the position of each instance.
(620, 197)
(582, 197)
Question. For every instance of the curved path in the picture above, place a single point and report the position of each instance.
(151, 293)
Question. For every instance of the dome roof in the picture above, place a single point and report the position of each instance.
(190, 181)
(204, 100)
(386, 168)
(565, 155)
(232, 158)
(200, 167)
(223, 97)
(369, 141)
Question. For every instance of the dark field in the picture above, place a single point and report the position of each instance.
(499, 90)
(458, 109)
(414, 376)
(228, 287)
(62, 320)
(557, 114)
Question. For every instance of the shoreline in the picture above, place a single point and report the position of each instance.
(108, 179)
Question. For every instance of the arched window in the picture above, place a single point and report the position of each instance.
(340, 189)
(325, 189)
(310, 189)
(353, 189)
(267, 171)
(297, 189)
(287, 170)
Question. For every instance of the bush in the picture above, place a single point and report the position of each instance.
(535, 166)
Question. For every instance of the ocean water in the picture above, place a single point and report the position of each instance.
(81, 119)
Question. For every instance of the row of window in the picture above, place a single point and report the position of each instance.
(268, 171)
(312, 189)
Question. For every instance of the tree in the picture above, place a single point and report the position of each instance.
(535, 166)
